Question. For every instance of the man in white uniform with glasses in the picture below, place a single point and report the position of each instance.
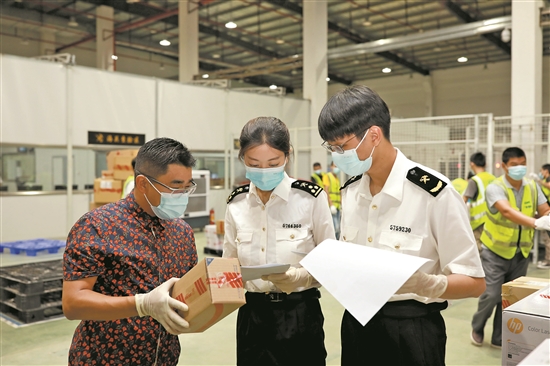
(392, 203)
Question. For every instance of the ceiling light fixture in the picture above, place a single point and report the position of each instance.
(280, 41)
(437, 49)
(386, 70)
(216, 55)
(367, 22)
(205, 76)
(165, 42)
(273, 87)
(293, 72)
(114, 57)
(506, 35)
(230, 25)
(462, 59)
(72, 22)
(327, 78)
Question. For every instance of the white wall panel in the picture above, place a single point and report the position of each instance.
(193, 115)
(46, 212)
(244, 106)
(112, 102)
(295, 112)
(33, 101)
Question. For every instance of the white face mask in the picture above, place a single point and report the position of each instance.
(349, 162)
(171, 205)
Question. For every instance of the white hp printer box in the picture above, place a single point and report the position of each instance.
(525, 325)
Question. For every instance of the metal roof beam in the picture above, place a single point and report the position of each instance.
(437, 35)
(461, 14)
(354, 37)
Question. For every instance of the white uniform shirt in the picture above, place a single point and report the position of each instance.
(407, 219)
(283, 230)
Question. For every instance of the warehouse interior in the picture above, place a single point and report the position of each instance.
(83, 79)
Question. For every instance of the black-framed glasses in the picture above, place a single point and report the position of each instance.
(339, 149)
(173, 191)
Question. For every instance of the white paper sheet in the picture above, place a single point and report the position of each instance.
(361, 278)
(255, 272)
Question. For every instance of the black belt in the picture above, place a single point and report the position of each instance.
(312, 293)
(410, 308)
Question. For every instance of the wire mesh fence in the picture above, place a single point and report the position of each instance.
(446, 143)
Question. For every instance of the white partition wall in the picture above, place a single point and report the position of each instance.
(112, 102)
(33, 95)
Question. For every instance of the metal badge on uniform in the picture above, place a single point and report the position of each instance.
(427, 181)
(237, 191)
(311, 188)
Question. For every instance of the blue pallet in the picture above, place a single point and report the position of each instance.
(31, 247)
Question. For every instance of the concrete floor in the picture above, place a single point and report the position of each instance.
(48, 343)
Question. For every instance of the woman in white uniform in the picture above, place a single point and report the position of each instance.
(276, 219)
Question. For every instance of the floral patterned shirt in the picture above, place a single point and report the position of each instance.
(129, 252)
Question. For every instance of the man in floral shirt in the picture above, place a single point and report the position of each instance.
(122, 260)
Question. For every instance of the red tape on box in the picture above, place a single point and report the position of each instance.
(227, 279)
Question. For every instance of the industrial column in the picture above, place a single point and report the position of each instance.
(315, 28)
(188, 24)
(526, 78)
(105, 38)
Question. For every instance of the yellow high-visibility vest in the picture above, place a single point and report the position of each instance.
(478, 207)
(501, 235)
(319, 179)
(334, 190)
(460, 185)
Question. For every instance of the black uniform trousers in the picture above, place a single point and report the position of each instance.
(281, 329)
(404, 333)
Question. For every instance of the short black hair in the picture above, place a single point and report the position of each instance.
(265, 130)
(316, 164)
(154, 156)
(546, 167)
(478, 159)
(134, 163)
(353, 111)
(512, 152)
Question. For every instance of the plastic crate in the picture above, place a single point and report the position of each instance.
(32, 247)
(32, 278)
(30, 302)
(32, 316)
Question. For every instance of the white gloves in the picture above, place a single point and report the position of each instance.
(291, 279)
(333, 210)
(423, 284)
(160, 305)
(542, 223)
(534, 176)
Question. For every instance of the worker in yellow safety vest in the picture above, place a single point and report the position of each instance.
(128, 185)
(512, 203)
(460, 185)
(543, 179)
(474, 195)
(334, 197)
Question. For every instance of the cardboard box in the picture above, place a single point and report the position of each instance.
(212, 289)
(520, 288)
(525, 325)
(539, 356)
(220, 227)
(107, 190)
(107, 174)
(113, 154)
(123, 167)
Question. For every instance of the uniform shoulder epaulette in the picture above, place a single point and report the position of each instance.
(308, 187)
(237, 191)
(427, 181)
(351, 180)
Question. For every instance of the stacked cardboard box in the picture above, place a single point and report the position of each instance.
(109, 187)
(520, 288)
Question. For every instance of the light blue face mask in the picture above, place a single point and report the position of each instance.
(349, 161)
(336, 170)
(541, 176)
(266, 179)
(172, 205)
(318, 171)
(517, 172)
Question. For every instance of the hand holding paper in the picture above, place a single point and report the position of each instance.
(291, 279)
(423, 284)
